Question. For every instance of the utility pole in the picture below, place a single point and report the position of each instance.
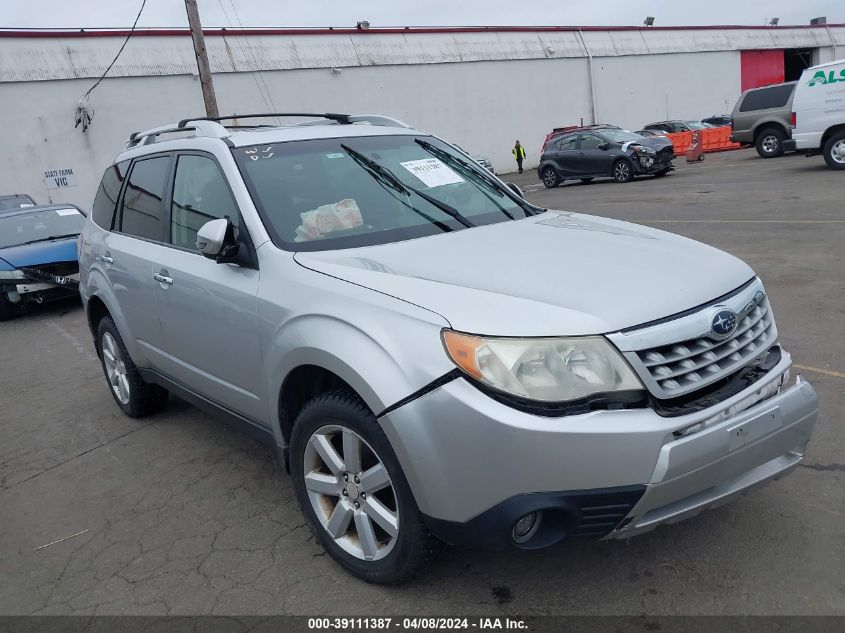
(202, 59)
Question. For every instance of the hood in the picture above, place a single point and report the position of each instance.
(654, 142)
(40, 253)
(551, 274)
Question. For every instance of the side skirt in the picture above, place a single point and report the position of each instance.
(246, 425)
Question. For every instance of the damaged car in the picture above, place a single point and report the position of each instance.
(603, 152)
(38, 256)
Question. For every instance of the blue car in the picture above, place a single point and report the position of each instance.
(38, 256)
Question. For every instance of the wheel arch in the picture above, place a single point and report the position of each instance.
(833, 129)
(765, 124)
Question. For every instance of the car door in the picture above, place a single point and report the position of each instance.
(594, 160)
(566, 155)
(208, 310)
(125, 255)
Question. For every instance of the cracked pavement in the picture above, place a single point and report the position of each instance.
(180, 514)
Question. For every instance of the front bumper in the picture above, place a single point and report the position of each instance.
(652, 165)
(476, 465)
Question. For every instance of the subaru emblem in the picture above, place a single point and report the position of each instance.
(723, 323)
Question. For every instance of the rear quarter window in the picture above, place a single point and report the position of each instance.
(105, 202)
(766, 98)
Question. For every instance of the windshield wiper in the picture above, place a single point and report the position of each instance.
(384, 173)
(51, 237)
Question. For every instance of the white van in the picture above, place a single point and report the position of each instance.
(818, 113)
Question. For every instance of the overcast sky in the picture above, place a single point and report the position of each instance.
(121, 13)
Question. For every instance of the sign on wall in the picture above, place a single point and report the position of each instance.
(59, 178)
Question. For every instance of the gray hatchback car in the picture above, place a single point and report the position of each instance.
(434, 358)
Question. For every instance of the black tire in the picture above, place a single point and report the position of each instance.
(144, 398)
(414, 547)
(622, 171)
(550, 178)
(769, 142)
(661, 173)
(586, 180)
(835, 160)
(7, 309)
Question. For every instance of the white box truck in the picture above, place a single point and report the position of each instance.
(818, 113)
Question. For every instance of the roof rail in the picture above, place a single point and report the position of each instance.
(343, 119)
(204, 128)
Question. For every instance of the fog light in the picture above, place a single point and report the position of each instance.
(526, 527)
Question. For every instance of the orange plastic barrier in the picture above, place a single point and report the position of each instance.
(714, 139)
(717, 139)
(681, 141)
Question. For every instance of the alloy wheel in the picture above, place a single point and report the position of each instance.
(837, 152)
(549, 178)
(115, 369)
(351, 492)
(622, 171)
(770, 143)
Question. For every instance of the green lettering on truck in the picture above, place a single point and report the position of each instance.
(830, 78)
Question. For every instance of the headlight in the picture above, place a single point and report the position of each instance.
(543, 369)
(640, 149)
(11, 274)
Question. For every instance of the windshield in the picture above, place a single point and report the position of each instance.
(697, 125)
(327, 194)
(12, 203)
(38, 226)
(621, 136)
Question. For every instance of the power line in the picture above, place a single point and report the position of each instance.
(254, 59)
(125, 42)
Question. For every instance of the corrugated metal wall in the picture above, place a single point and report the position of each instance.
(481, 90)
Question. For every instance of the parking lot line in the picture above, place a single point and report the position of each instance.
(819, 370)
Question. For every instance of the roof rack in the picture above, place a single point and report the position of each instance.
(200, 127)
(212, 127)
(342, 119)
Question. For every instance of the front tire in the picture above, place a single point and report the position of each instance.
(354, 494)
(7, 308)
(550, 178)
(135, 397)
(769, 143)
(622, 171)
(834, 151)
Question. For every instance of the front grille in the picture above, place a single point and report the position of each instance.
(685, 366)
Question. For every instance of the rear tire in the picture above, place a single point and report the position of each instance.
(336, 439)
(622, 171)
(550, 178)
(834, 151)
(135, 397)
(769, 142)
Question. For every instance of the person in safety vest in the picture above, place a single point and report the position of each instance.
(519, 154)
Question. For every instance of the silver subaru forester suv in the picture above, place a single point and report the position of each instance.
(433, 357)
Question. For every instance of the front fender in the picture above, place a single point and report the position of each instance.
(382, 364)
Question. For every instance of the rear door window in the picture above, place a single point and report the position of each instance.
(143, 200)
(765, 98)
(105, 202)
(200, 194)
(568, 143)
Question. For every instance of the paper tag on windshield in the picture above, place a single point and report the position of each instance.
(67, 211)
(432, 172)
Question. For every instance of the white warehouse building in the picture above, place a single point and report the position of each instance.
(481, 88)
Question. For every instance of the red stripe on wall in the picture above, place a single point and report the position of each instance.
(761, 68)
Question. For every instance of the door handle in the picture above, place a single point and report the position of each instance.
(106, 259)
(162, 279)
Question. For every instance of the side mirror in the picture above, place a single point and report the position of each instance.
(604, 146)
(515, 189)
(216, 240)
